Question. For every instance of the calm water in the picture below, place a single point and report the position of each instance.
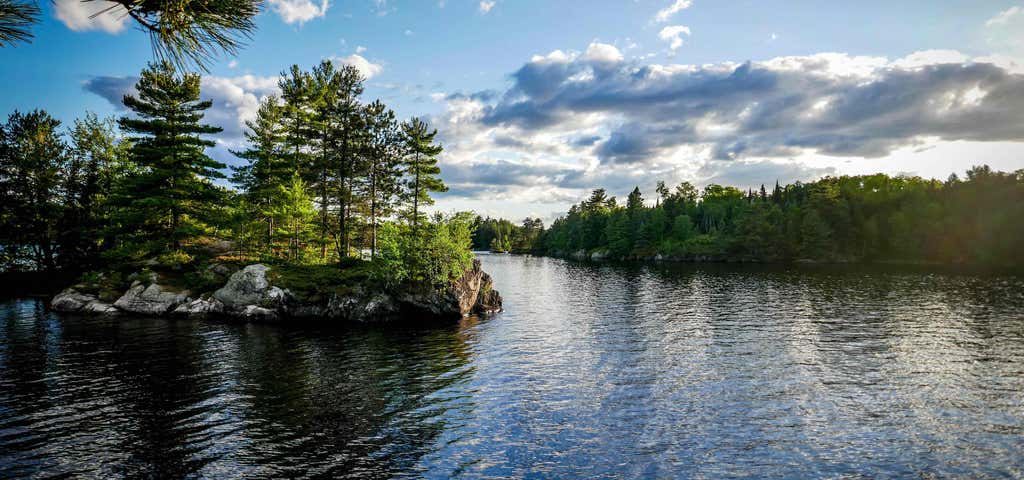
(691, 372)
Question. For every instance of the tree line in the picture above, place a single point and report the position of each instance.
(871, 218)
(502, 236)
(326, 179)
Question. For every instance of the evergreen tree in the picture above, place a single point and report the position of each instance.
(268, 165)
(166, 203)
(342, 134)
(32, 167)
(383, 152)
(421, 168)
(15, 19)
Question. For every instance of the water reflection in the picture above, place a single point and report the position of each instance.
(592, 371)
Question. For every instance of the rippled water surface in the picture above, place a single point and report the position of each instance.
(592, 371)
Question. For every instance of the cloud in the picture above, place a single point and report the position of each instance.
(830, 103)
(365, 67)
(753, 174)
(603, 53)
(82, 16)
(572, 121)
(299, 11)
(486, 6)
(112, 89)
(235, 99)
(673, 35)
(666, 13)
(1004, 17)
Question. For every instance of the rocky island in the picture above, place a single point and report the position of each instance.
(254, 293)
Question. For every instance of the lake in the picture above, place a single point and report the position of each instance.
(593, 371)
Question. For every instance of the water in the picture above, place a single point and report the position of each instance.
(592, 371)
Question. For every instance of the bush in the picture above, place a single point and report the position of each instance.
(436, 253)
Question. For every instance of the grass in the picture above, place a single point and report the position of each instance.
(313, 282)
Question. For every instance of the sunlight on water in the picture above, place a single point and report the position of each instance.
(592, 371)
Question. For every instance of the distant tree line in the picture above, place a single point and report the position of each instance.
(500, 235)
(871, 218)
(327, 179)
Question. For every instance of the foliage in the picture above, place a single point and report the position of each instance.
(184, 33)
(15, 19)
(500, 235)
(851, 218)
(434, 254)
(170, 200)
(322, 169)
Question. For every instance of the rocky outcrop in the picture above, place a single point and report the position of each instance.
(150, 299)
(250, 295)
(250, 287)
(71, 300)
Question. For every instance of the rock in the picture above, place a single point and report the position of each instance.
(73, 301)
(99, 307)
(249, 286)
(461, 298)
(248, 295)
(150, 300)
(253, 312)
(488, 300)
(359, 306)
(200, 308)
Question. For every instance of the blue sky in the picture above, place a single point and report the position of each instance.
(539, 101)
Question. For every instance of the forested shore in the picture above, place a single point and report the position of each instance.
(976, 220)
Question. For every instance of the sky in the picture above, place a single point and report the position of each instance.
(537, 101)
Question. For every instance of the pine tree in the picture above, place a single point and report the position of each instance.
(15, 19)
(339, 120)
(166, 204)
(33, 165)
(269, 166)
(383, 152)
(421, 167)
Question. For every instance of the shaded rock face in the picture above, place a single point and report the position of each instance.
(473, 293)
(150, 299)
(249, 295)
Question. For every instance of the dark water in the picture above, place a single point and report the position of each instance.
(695, 372)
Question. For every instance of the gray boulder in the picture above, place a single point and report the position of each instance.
(249, 286)
(73, 301)
(150, 299)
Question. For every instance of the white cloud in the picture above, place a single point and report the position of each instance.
(602, 53)
(84, 16)
(233, 64)
(360, 49)
(930, 57)
(409, 33)
(235, 100)
(774, 37)
(677, 6)
(1005, 16)
(568, 123)
(486, 6)
(299, 11)
(673, 34)
(365, 67)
